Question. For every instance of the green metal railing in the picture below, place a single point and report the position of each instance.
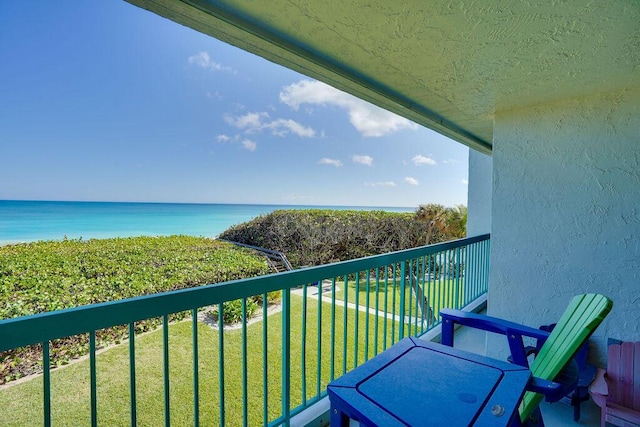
(331, 319)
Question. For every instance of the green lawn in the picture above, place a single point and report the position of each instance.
(21, 404)
(440, 294)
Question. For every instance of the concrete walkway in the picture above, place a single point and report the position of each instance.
(312, 293)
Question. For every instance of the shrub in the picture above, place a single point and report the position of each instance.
(315, 236)
(52, 275)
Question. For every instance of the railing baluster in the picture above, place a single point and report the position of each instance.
(464, 261)
(450, 281)
(445, 280)
(344, 325)
(377, 308)
(357, 315)
(486, 260)
(478, 268)
(93, 379)
(221, 381)
(286, 355)
(245, 409)
(471, 272)
(196, 363)
(303, 348)
(132, 374)
(165, 344)
(459, 275)
(393, 304)
(420, 304)
(429, 292)
(439, 283)
(386, 308)
(366, 319)
(319, 338)
(455, 255)
(458, 272)
(409, 278)
(403, 282)
(265, 361)
(46, 384)
(333, 330)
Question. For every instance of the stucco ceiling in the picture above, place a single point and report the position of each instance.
(448, 65)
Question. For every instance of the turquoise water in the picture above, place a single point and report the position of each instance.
(25, 221)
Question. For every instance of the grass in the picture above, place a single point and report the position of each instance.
(440, 293)
(70, 385)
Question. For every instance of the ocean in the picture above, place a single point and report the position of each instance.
(27, 221)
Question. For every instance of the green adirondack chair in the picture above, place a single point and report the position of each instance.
(553, 370)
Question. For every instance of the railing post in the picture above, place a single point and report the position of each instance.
(245, 389)
(221, 362)
(356, 324)
(265, 360)
(132, 373)
(286, 355)
(403, 276)
(165, 359)
(93, 378)
(46, 384)
(196, 363)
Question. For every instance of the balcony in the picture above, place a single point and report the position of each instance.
(268, 369)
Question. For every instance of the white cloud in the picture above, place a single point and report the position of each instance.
(368, 119)
(249, 145)
(250, 122)
(332, 162)
(380, 184)
(364, 160)
(450, 162)
(411, 181)
(281, 127)
(465, 181)
(203, 60)
(246, 143)
(420, 160)
(256, 122)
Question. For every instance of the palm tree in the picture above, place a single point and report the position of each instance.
(435, 216)
(442, 224)
(457, 222)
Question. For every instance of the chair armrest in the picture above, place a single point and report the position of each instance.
(551, 390)
(513, 331)
(599, 384)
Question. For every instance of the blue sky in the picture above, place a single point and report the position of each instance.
(103, 101)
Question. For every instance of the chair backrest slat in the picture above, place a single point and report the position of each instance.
(614, 381)
(623, 374)
(626, 373)
(580, 319)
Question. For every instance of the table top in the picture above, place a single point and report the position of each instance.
(418, 382)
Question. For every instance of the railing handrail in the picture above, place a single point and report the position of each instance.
(277, 254)
(37, 328)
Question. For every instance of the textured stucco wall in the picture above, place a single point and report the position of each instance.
(566, 212)
(479, 194)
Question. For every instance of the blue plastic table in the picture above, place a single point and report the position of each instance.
(418, 383)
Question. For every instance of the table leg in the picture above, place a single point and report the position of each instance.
(338, 418)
